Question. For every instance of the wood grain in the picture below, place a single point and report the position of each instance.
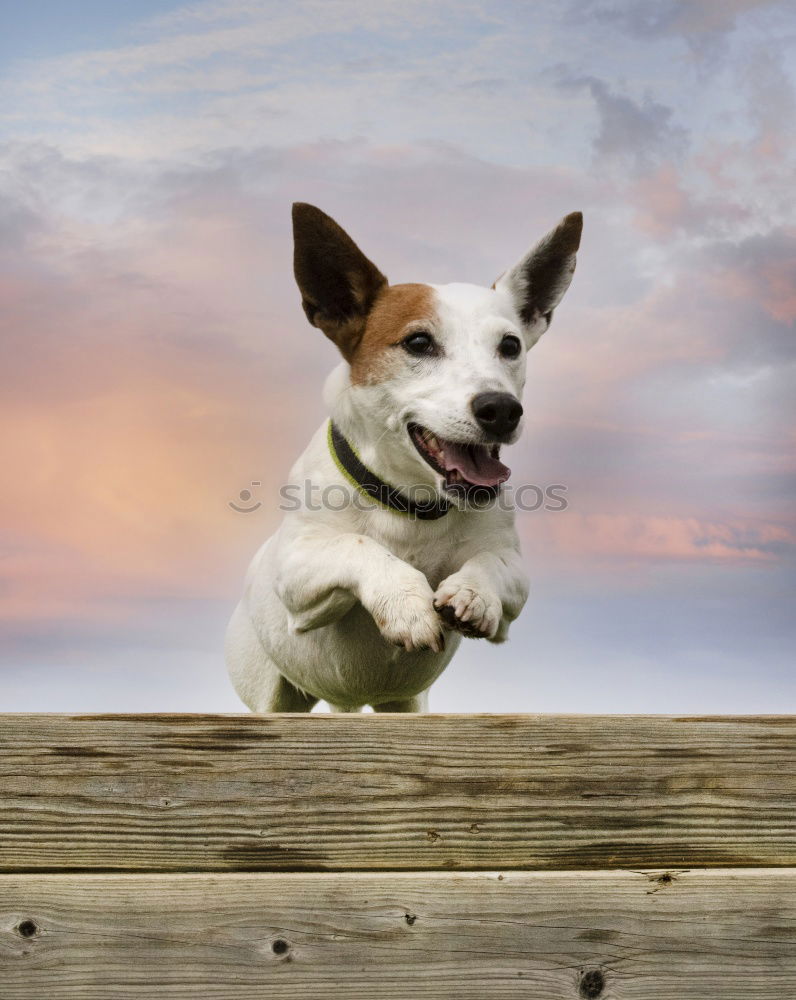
(693, 935)
(368, 792)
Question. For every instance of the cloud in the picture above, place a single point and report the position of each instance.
(666, 206)
(648, 539)
(691, 19)
(238, 75)
(638, 132)
(772, 103)
(761, 270)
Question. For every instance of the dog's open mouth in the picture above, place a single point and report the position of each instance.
(463, 466)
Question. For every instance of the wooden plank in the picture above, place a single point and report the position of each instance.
(694, 935)
(433, 792)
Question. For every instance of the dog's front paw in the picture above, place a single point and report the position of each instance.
(406, 618)
(474, 613)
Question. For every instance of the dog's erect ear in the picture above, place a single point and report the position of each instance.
(537, 283)
(338, 283)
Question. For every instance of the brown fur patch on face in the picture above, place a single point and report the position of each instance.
(395, 307)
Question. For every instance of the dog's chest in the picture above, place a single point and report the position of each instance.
(435, 548)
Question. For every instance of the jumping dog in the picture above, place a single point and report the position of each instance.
(365, 601)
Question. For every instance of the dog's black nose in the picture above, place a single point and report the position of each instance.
(498, 413)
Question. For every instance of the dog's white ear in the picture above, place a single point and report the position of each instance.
(537, 282)
(338, 283)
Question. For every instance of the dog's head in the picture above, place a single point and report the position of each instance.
(436, 372)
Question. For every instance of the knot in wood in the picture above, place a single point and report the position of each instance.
(591, 984)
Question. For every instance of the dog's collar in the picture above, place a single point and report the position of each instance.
(365, 480)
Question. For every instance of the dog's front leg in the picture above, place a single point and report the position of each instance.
(321, 575)
(484, 596)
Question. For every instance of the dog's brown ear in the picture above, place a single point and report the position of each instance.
(338, 283)
(537, 282)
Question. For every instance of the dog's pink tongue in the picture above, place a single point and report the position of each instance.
(475, 464)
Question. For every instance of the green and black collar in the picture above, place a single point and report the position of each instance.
(367, 482)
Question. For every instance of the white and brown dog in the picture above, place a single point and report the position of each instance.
(362, 596)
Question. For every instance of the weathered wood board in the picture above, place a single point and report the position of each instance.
(429, 792)
(683, 935)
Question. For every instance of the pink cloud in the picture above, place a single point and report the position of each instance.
(665, 204)
(647, 538)
(760, 271)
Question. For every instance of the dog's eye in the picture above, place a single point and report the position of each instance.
(510, 346)
(419, 344)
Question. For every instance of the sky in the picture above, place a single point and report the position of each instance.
(156, 361)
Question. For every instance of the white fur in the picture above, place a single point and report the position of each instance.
(306, 628)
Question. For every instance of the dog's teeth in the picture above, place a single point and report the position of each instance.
(430, 443)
